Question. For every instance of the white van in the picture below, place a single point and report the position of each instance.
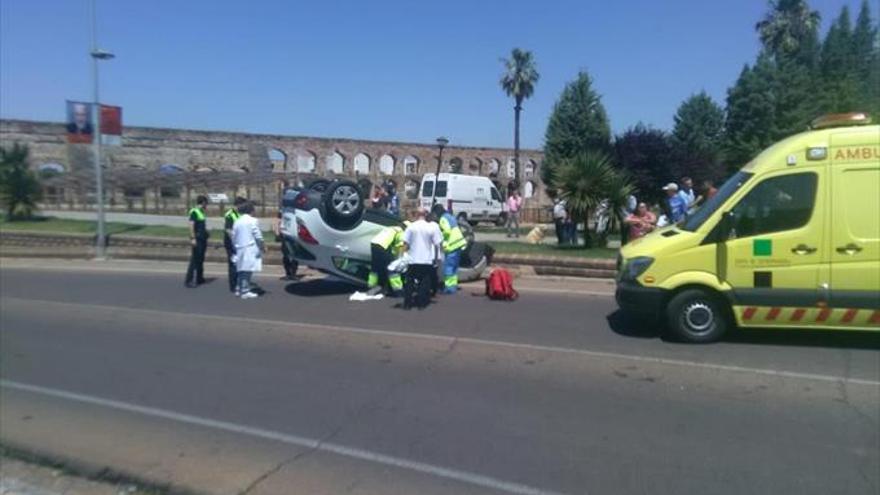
(470, 197)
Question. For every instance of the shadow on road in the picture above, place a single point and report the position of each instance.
(638, 327)
(319, 287)
(629, 325)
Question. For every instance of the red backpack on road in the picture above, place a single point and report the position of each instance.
(499, 285)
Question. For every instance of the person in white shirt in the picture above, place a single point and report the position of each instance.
(559, 215)
(687, 192)
(421, 241)
(248, 241)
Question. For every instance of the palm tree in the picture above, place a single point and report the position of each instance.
(587, 179)
(518, 81)
(787, 26)
(19, 187)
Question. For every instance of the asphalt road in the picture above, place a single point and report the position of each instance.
(304, 392)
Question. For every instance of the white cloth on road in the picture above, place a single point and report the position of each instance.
(422, 238)
(363, 296)
(247, 238)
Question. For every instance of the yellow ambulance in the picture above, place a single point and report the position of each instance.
(790, 241)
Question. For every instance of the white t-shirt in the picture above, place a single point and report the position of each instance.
(422, 237)
(559, 209)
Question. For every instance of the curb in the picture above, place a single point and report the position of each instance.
(122, 246)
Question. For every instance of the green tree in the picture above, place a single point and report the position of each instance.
(586, 179)
(518, 81)
(697, 137)
(750, 117)
(19, 187)
(789, 29)
(645, 155)
(838, 70)
(578, 124)
(866, 60)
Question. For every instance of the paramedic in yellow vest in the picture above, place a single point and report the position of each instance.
(384, 248)
(453, 245)
(198, 238)
(229, 219)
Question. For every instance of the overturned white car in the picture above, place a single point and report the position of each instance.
(328, 228)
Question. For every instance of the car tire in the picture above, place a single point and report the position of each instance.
(467, 231)
(462, 218)
(319, 185)
(696, 316)
(501, 220)
(343, 205)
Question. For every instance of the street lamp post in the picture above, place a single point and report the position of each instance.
(441, 143)
(98, 54)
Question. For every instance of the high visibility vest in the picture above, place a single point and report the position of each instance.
(453, 239)
(200, 215)
(389, 237)
(233, 214)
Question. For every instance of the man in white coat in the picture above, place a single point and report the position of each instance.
(248, 241)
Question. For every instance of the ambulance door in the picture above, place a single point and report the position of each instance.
(855, 228)
(774, 252)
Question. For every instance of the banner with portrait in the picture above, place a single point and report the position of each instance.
(80, 125)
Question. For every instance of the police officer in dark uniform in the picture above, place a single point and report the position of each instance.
(229, 219)
(198, 237)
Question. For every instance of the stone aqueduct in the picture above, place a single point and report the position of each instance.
(157, 169)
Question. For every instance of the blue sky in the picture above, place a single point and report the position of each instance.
(387, 70)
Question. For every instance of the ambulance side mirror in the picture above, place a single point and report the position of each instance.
(728, 226)
(723, 229)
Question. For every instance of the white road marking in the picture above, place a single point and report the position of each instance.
(448, 339)
(296, 440)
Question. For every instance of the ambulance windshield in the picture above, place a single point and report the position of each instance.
(696, 219)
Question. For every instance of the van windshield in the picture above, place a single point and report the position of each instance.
(428, 189)
(698, 217)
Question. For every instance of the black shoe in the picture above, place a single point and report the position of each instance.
(202, 281)
(191, 285)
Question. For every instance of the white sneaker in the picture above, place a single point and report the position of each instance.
(237, 293)
(249, 295)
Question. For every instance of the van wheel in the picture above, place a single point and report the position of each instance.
(462, 218)
(696, 316)
(501, 221)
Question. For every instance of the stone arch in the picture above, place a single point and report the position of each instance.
(170, 187)
(530, 168)
(305, 162)
(411, 189)
(510, 169)
(529, 189)
(336, 163)
(51, 169)
(494, 166)
(456, 165)
(362, 164)
(410, 165)
(386, 164)
(278, 160)
(475, 167)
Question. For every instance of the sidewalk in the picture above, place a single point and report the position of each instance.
(18, 477)
(215, 221)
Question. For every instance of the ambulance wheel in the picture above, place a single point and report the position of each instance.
(696, 316)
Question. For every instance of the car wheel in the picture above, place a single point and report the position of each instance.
(696, 316)
(462, 218)
(467, 231)
(319, 185)
(501, 220)
(343, 205)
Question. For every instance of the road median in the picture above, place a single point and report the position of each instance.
(123, 246)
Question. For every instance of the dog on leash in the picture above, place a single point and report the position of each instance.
(536, 235)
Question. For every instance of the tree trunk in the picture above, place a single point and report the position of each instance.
(588, 241)
(516, 111)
